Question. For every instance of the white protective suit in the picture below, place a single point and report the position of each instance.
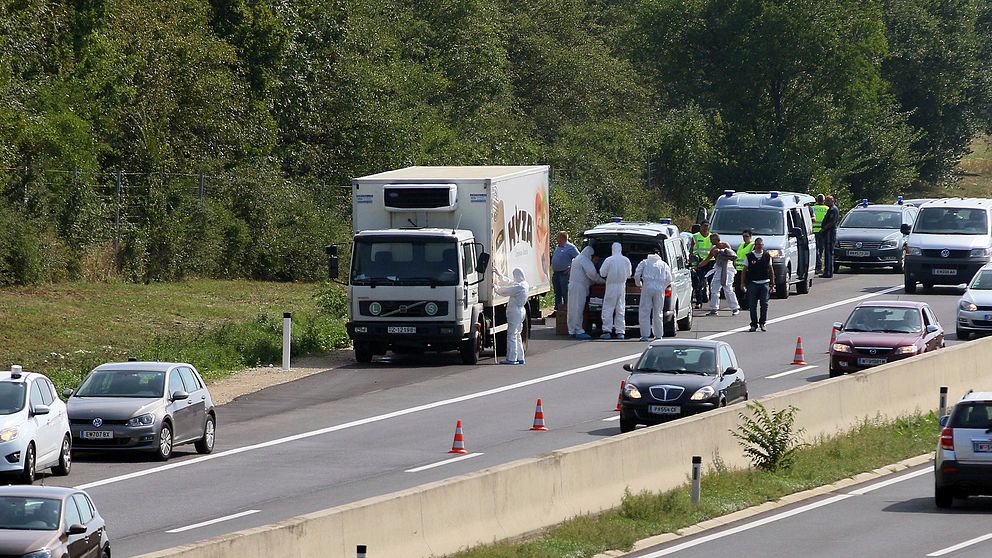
(582, 275)
(517, 290)
(653, 276)
(723, 279)
(616, 269)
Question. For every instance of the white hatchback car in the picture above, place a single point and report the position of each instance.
(975, 307)
(34, 426)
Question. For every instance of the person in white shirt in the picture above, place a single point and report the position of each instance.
(653, 275)
(723, 273)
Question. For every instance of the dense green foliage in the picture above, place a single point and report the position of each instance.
(642, 107)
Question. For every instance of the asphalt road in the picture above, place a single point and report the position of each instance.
(894, 516)
(366, 430)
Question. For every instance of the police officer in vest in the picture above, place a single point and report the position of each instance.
(701, 246)
(742, 251)
(819, 212)
(759, 275)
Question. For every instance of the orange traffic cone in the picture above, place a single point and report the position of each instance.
(799, 358)
(623, 383)
(833, 339)
(539, 418)
(458, 446)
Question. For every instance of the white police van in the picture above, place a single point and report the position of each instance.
(639, 240)
(949, 242)
(783, 220)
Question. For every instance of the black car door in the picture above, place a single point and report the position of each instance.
(76, 545)
(94, 526)
(733, 385)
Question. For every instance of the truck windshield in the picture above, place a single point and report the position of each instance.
(405, 262)
(951, 220)
(733, 220)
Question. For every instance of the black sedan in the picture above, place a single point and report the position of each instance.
(677, 378)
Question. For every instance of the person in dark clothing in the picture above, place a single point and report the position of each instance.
(758, 274)
(829, 231)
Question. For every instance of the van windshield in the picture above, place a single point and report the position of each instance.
(733, 220)
(392, 261)
(952, 220)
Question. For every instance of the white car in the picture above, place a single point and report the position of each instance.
(975, 307)
(34, 426)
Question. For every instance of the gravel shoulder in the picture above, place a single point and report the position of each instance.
(255, 379)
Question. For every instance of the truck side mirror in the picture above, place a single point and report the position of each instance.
(482, 262)
(332, 261)
(905, 228)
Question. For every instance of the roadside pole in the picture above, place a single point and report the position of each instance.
(287, 338)
(697, 464)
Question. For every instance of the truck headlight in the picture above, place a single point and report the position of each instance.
(632, 392)
(913, 251)
(968, 306)
(906, 350)
(702, 393)
(143, 420)
(8, 434)
(979, 252)
(842, 348)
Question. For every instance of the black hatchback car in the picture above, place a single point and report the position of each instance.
(677, 378)
(48, 521)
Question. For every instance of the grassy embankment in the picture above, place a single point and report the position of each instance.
(867, 447)
(976, 172)
(65, 329)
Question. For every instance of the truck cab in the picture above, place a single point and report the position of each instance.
(638, 240)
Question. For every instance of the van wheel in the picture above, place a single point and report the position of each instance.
(803, 286)
(909, 285)
(685, 324)
(782, 289)
(669, 326)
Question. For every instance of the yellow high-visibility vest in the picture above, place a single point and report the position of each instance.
(819, 212)
(701, 245)
(742, 252)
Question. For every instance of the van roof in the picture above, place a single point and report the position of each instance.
(982, 203)
(634, 227)
(454, 173)
(756, 200)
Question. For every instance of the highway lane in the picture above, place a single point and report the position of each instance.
(368, 425)
(897, 519)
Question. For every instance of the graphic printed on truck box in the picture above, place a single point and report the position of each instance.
(521, 232)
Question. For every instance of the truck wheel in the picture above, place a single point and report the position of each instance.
(471, 350)
(685, 324)
(525, 331)
(909, 285)
(363, 352)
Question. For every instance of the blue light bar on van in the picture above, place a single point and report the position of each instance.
(899, 200)
(864, 202)
(774, 195)
(729, 193)
(666, 221)
(617, 219)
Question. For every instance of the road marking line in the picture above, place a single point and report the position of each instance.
(783, 515)
(445, 462)
(787, 372)
(959, 546)
(441, 403)
(212, 521)
(611, 419)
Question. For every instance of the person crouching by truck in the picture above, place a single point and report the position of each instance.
(742, 251)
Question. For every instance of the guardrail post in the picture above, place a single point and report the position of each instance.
(361, 551)
(942, 408)
(287, 338)
(697, 464)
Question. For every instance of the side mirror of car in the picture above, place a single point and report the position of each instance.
(905, 228)
(41, 410)
(67, 393)
(730, 371)
(932, 329)
(179, 395)
(628, 367)
(944, 420)
(482, 262)
(76, 529)
(839, 326)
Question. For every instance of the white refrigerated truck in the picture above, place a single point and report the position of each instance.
(425, 241)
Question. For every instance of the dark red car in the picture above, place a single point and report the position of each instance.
(882, 331)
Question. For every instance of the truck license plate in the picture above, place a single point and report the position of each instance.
(401, 329)
(871, 361)
(858, 253)
(664, 409)
(981, 446)
(942, 271)
(97, 434)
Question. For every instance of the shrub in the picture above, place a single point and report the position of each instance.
(769, 439)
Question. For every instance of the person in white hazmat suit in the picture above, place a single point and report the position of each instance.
(516, 289)
(582, 275)
(653, 276)
(722, 276)
(616, 269)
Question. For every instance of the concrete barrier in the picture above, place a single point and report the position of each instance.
(523, 496)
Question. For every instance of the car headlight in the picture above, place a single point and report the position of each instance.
(979, 252)
(968, 306)
(889, 244)
(914, 251)
(39, 554)
(704, 392)
(774, 253)
(143, 420)
(8, 434)
(632, 392)
(842, 348)
(906, 350)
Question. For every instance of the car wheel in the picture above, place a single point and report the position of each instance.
(943, 497)
(928, 286)
(106, 553)
(834, 373)
(28, 474)
(627, 425)
(685, 324)
(963, 335)
(900, 265)
(363, 352)
(909, 285)
(65, 458)
(670, 327)
(165, 441)
(205, 444)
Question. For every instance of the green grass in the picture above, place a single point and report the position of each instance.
(976, 172)
(65, 329)
(870, 445)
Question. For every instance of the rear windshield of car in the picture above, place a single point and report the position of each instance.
(951, 220)
(872, 220)
(12, 397)
(733, 220)
(119, 383)
(982, 281)
(972, 415)
(29, 514)
(698, 360)
(883, 319)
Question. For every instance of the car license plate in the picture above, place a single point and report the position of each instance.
(664, 409)
(399, 329)
(981, 446)
(871, 361)
(858, 253)
(97, 434)
(942, 271)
